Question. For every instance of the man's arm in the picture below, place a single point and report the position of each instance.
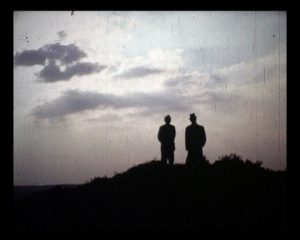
(186, 139)
(204, 137)
(159, 134)
(174, 133)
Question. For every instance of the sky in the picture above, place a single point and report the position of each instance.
(91, 89)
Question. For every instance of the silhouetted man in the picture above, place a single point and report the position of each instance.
(195, 139)
(166, 136)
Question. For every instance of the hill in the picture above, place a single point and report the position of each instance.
(21, 192)
(229, 194)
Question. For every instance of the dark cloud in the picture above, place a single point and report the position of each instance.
(54, 58)
(73, 101)
(30, 58)
(53, 73)
(139, 72)
(66, 54)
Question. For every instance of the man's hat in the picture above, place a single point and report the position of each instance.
(193, 116)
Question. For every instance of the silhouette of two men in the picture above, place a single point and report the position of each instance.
(195, 139)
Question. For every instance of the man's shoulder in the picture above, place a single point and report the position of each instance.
(166, 126)
(161, 127)
(170, 127)
(194, 126)
(189, 127)
(201, 128)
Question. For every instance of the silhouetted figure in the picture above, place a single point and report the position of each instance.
(195, 139)
(166, 136)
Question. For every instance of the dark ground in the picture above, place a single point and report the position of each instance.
(229, 194)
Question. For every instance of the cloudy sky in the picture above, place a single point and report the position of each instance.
(92, 88)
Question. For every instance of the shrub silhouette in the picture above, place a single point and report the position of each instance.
(234, 160)
(230, 193)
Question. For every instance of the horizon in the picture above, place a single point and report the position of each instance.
(139, 165)
(91, 89)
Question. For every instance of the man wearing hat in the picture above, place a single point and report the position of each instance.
(195, 139)
(166, 136)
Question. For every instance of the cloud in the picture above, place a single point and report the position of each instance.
(197, 90)
(183, 81)
(60, 62)
(173, 82)
(217, 96)
(154, 63)
(74, 101)
(188, 84)
(53, 73)
(252, 72)
(167, 58)
(62, 35)
(110, 117)
(64, 53)
(71, 101)
(140, 71)
(30, 58)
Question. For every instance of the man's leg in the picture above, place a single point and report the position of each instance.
(171, 157)
(163, 156)
(200, 156)
(188, 159)
(193, 157)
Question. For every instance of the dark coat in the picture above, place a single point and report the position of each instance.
(166, 136)
(195, 137)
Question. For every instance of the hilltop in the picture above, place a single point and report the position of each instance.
(229, 194)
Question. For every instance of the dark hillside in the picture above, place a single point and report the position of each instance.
(229, 194)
